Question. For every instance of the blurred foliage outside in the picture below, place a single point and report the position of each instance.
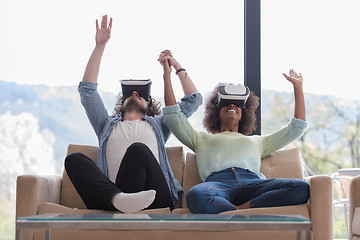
(7, 219)
(332, 140)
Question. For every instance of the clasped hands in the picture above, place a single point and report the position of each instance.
(167, 60)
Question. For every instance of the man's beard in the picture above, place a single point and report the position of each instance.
(133, 105)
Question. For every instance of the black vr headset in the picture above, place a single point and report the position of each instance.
(142, 87)
(232, 94)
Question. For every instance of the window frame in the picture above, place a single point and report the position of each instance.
(252, 53)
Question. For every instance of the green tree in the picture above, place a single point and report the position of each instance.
(322, 146)
(351, 129)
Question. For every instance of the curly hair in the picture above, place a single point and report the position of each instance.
(247, 124)
(154, 107)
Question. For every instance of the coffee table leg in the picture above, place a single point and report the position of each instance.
(298, 235)
(308, 235)
(18, 234)
(47, 234)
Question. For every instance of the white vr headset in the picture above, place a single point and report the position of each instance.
(142, 87)
(232, 94)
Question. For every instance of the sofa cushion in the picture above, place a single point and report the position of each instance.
(301, 209)
(280, 164)
(283, 164)
(47, 207)
(181, 211)
(191, 176)
(70, 197)
(176, 158)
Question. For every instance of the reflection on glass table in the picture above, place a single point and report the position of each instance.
(178, 222)
(167, 217)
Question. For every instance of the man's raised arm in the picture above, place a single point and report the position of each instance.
(103, 35)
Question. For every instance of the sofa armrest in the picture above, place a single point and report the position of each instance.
(32, 191)
(321, 206)
(354, 201)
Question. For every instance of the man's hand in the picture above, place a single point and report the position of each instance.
(167, 60)
(163, 54)
(103, 34)
(172, 61)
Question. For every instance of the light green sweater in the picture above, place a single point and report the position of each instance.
(215, 152)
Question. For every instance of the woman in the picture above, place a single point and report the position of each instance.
(229, 159)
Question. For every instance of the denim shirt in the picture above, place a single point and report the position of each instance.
(102, 123)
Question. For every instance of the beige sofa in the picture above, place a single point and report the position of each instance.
(56, 194)
(354, 209)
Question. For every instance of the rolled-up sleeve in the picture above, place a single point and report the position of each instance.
(180, 126)
(190, 103)
(93, 105)
(279, 139)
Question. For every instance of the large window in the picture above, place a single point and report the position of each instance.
(50, 43)
(318, 38)
(321, 40)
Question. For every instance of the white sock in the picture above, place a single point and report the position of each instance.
(133, 202)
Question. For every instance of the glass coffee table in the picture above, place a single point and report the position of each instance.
(185, 222)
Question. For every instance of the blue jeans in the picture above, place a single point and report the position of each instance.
(225, 189)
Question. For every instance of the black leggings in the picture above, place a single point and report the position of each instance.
(139, 171)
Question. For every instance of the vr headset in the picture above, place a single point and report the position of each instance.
(232, 94)
(142, 87)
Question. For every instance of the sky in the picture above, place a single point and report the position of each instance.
(49, 42)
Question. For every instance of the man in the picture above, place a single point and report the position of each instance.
(132, 171)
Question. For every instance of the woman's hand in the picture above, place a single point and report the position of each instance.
(295, 78)
(167, 60)
(164, 54)
(103, 33)
(297, 81)
(172, 61)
